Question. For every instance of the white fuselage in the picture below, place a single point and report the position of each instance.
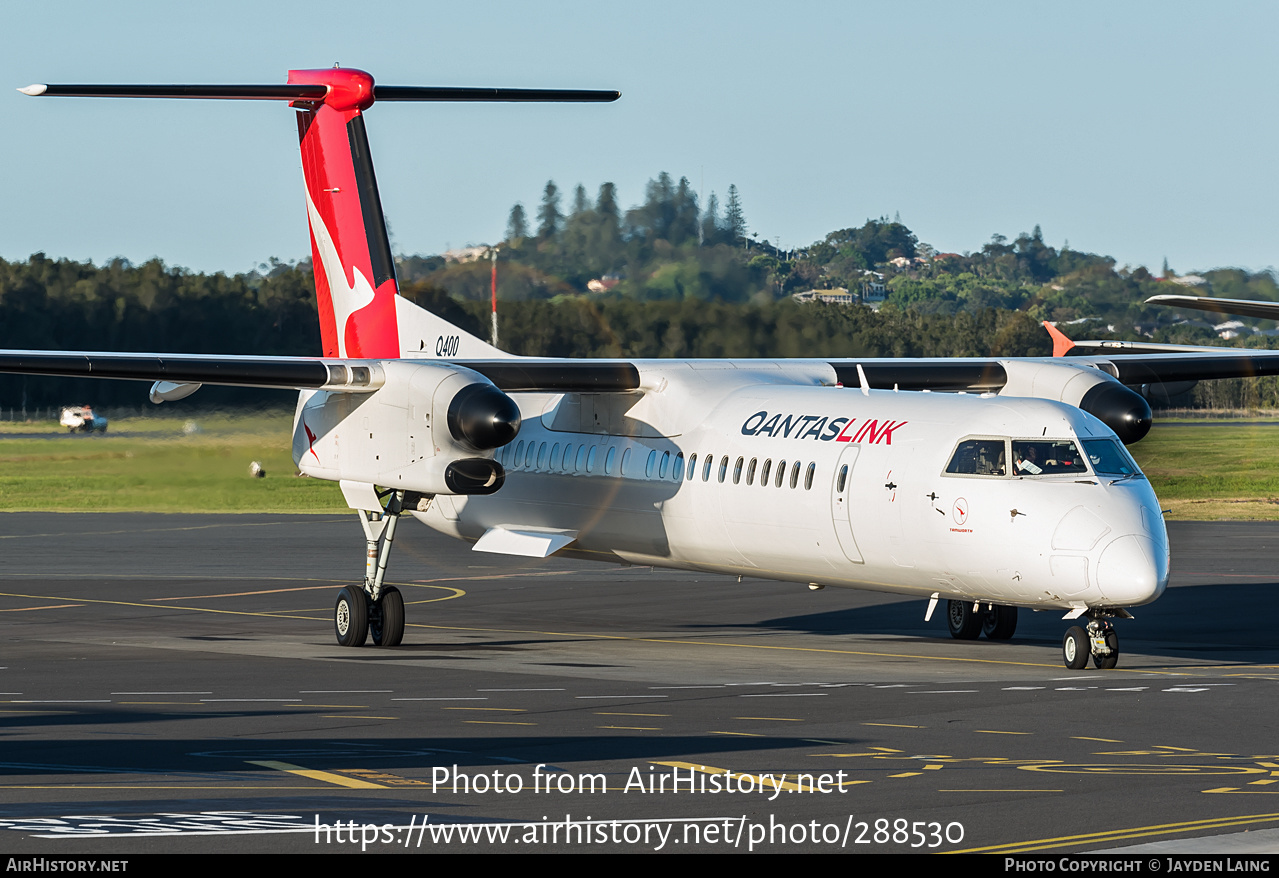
(857, 492)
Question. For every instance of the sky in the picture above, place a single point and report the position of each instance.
(1141, 130)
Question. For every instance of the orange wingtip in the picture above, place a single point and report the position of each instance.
(1061, 344)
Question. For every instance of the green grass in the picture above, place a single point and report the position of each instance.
(165, 470)
(1218, 471)
(1226, 470)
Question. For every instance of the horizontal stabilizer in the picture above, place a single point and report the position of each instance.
(207, 92)
(304, 92)
(522, 95)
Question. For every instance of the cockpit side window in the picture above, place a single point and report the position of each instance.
(1109, 458)
(980, 457)
(1046, 457)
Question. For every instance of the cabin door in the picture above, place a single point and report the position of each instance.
(841, 498)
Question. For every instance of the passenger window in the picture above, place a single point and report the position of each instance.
(692, 467)
(706, 470)
(590, 459)
(664, 465)
(541, 455)
(566, 461)
(750, 472)
(555, 453)
(843, 479)
(677, 474)
(763, 474)
(781, 473)
(979, 457)
(737, 470)
(650, 464)
(626, 463)
(528, 455)
(794, 474)
(519, 454)
(609, 459)
(723, 467)
(580, 463)
(809, 476)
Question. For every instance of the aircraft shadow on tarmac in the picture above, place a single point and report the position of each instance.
(1204, 622)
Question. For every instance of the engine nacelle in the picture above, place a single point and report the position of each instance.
(1100, 395)
(430, 428)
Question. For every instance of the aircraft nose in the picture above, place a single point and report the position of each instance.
(1132, 570)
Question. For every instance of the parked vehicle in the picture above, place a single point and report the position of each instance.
(81, 419)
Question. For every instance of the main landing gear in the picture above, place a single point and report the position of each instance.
(966, 620)
(373, 608)
(1099, 640)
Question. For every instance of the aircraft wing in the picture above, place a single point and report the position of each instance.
(1242, 307)
(1178, 363)
(310, 373)
(294, 373)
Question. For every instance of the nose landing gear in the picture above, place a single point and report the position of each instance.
(1099, 640)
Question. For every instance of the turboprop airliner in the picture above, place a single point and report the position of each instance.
(993, 484)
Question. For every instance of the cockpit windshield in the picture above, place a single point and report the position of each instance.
(998, 457)
(1046, 457)
(979, 457)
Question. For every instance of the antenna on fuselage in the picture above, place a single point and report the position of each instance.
(861, 377)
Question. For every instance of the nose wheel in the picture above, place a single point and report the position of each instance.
(386, 618)
(1099, 640)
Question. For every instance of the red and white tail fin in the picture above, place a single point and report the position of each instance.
(361, 311)
(362, 314)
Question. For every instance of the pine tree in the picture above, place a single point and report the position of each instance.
(548, 215)
(684, 219)
(710, 221)
(734, 219)
(516, 223)
(580, 204)
(606, 203)
(609, 228)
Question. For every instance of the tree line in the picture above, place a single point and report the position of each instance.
(683, 281)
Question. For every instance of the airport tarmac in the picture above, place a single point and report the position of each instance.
(170, 683)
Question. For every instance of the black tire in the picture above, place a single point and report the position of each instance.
(1000, 623)
(351, 617)
(963, 623)
(386, 619)
(1074, 648)
(1108, 662)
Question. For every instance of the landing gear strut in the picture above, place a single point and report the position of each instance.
(373, 609)
(1099, 640)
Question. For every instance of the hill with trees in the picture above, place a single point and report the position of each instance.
(665, 278)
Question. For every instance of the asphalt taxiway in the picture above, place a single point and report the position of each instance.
(171, 683)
